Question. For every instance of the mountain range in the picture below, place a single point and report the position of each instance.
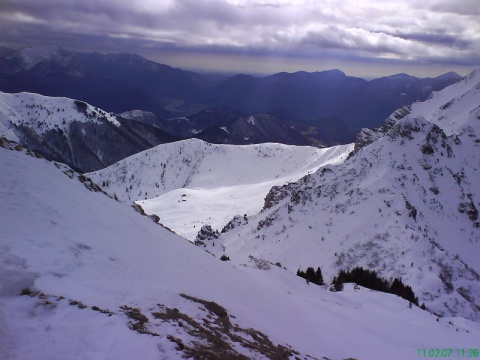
(126, 82)
(88, 138)
(418, 170)
(227, 126)
(403, 200)
(357, 102)
(86, 273)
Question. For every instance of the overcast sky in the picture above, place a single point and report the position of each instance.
(365, 38)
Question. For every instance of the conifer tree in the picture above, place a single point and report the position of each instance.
(311, 275)
(319, 277)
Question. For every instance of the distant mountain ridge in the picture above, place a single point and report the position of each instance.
(358, 102)
(114, 82)
(125, 82)
(228, 126)
(253, 129)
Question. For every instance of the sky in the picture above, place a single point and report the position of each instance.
(366, 38)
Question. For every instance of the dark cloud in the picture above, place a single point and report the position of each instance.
(431, 31)
(351, 40)
(464, 7)
(438, 39)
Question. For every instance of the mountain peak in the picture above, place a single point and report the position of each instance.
(336, 72)
(402, 75)
(31, 56)
(449, 75)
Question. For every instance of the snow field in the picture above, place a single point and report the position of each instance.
(75, 245)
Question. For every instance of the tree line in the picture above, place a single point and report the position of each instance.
(363, 277)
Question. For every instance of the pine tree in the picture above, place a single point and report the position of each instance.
(319, 277)
(370, 279)
(311, 275)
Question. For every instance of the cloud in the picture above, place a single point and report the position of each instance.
(438, 39)
(430, 31)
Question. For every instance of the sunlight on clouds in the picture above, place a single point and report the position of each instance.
(24, 18)
(120, 36)
(267, 2)
(154, 5)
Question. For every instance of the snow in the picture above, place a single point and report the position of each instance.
(218, 181)
(135, 114)
(393, 207)
(402, 205)
(5, 130)
(455, 109)
(43, 113)
(75, 245)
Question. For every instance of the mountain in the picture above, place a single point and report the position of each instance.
(405, 204)
(126, 82)
(226, 126)
(114, 82)
(195, 124)
(330, 131)
(85, 277)
(327, 94)
(74, 132)
(191, 183)
(319, 131)
(253, 129)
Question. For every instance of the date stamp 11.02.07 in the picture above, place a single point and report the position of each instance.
(464, 353)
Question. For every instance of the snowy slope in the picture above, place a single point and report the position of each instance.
(44, 113)
(73, 132)
(191, 183)
(99, 281)
(405, 204)
(455, 110)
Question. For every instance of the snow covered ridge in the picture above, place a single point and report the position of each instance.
(454, 111)
(190, 183)
(405, 204)
(85, 277)
(43, 113)
(72, 131)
